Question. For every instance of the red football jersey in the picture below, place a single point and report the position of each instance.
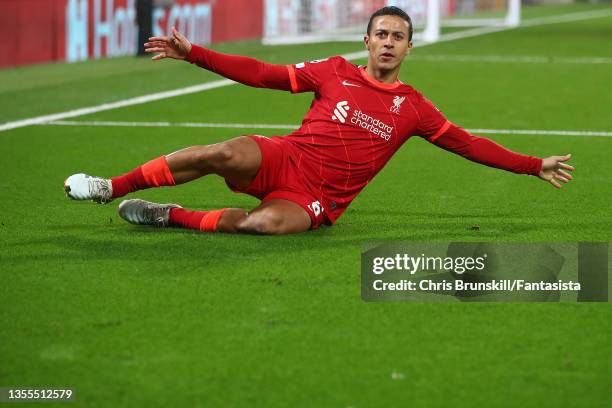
(354, 126)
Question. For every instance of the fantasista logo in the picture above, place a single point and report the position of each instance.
(363, 120)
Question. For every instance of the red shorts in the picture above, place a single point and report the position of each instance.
(279, 177)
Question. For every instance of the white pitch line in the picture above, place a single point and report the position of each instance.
(565, 18)
(114, 105)
(291, 127)
(542, 132)
(523, 59)
(172, 124)
(579, 16)
(225, 82)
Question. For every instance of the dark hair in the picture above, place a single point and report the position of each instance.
(391, 11)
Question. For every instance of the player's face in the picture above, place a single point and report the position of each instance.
(388, 42)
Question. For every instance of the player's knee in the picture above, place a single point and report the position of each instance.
(218, 156)
(263, 223)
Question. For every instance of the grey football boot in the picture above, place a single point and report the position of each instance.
(141, 212)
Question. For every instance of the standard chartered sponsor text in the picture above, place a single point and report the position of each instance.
(375, 126)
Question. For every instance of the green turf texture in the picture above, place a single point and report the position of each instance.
(132, 316)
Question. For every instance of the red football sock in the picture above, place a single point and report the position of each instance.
(155, 173)
(206, 221)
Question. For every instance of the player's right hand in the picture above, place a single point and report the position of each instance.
(177, 46)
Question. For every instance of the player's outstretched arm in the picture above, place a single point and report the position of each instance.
(481, 150)
(555, 170)
(176, 46)
(245, 70)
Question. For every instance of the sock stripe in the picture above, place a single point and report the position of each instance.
(157, 173)
(211, 220)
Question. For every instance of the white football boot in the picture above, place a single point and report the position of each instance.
(84, 187)
(141, 212)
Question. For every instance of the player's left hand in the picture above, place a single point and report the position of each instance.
(554, 170)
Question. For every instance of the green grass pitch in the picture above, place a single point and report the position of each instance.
(133, 316)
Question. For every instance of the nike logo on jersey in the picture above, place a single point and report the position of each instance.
(346, 83)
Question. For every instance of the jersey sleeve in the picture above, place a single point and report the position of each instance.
(309, 76)
(485, 151)
(245, 70)
(432, 123)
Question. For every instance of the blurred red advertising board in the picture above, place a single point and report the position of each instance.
(73, 30)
